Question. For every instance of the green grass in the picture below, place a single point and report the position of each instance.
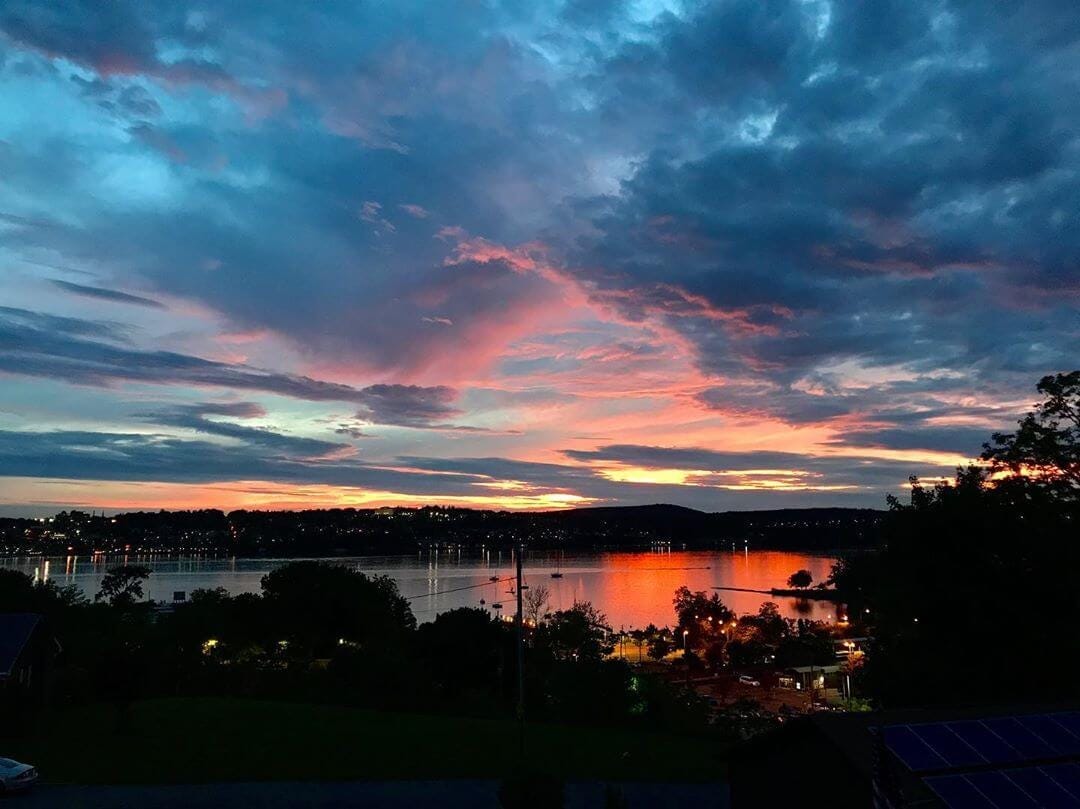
(205, 740)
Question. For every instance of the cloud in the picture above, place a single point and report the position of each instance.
(759, 468)
(416, 211)
(106, 294)
(195, 417)
(161, 458)
(33, 344)
(849, 230)
(407, 405)
(41, 345)
(239, 410)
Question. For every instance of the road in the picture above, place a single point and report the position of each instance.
(339, 795)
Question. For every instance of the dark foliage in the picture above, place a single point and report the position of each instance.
(973, 598)
(323, 632)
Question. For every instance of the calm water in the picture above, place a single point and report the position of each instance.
(633, 589)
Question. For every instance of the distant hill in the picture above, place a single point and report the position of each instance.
(806, 528)
(401, 530)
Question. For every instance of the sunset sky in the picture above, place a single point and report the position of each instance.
(746, 254)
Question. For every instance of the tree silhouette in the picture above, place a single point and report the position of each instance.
(535, 603)
(122, 586)
(801, 579)
(579, 633)
(1045, 449)
(938, 596)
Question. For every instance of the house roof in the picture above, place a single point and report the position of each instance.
(15, 631)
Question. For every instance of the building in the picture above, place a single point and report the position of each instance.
(810, 678)
(26, 655)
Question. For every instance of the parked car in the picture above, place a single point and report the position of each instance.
(15, 776)
(746, 679)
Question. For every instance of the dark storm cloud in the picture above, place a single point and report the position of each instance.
(109, 37)
(856, 169)
(900, 179)
(101, 293)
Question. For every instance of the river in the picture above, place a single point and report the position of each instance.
(632, 588)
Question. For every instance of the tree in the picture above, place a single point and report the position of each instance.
(122, 586)
(715, 654)
(20, 593)
(317, 606)
(1045, 449)
(461, 651)
(579, 633)
(535, 603)
(801, 579)
(700, 615)
(955, 557)
(660, 646)
(770, 625)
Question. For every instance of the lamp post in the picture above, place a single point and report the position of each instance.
(519, 626)
(686, 655)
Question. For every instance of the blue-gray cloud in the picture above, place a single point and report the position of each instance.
(34, 344)
(114, 295)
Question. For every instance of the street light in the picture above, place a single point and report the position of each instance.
(686, 655)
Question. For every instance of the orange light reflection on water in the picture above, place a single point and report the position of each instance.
(635, 589)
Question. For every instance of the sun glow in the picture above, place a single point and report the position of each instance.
(123, 496)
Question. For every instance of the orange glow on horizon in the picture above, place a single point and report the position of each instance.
(124, 495)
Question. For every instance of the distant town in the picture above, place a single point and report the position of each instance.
(386, 530)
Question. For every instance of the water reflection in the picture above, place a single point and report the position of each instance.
(633, 589)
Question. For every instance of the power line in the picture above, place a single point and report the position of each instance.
(459, 589)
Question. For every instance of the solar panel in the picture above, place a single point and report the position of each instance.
(1042, 786)
(1053, 733)
(1067, 775)
(1070, 721)
(954, 750)
(980, 743)
(1002, 790)
(958, 793)
(1051, 787)
(992, 747)
(912, 750)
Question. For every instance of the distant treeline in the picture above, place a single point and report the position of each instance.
(402, 530)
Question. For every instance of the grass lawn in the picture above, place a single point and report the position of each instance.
(200, 740)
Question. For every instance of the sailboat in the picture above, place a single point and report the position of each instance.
(558, 565)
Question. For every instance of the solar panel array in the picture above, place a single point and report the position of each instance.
(978, 742)
(1053, 786)
(988, 763)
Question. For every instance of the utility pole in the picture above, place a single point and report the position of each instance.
(519, 623)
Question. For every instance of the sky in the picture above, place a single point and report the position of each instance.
(743, 254)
